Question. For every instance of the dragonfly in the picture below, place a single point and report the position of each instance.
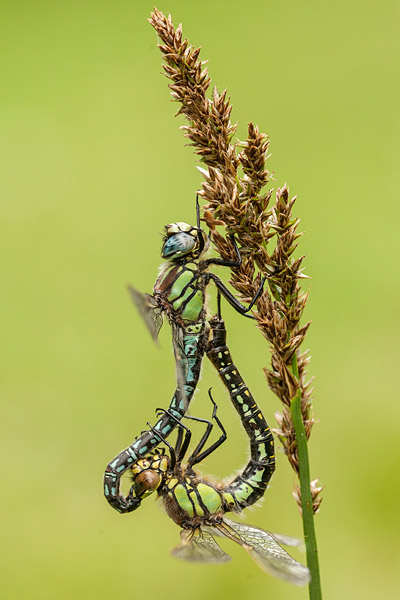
(198, 505)
(179, 293)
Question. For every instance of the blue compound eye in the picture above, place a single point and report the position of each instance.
(177, 245)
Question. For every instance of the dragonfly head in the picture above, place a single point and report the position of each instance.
(148, 474)
(183, 241)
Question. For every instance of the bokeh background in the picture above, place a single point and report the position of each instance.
(92, 166)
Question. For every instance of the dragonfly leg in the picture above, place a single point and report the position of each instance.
(219, 304)
(204, 438)
(222, 261)
(180, 448)
(199, 235)
(164, 441)
(197, 456)
(179, 440)
(233, 301)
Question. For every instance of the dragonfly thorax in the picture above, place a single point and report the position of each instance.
(190, 501)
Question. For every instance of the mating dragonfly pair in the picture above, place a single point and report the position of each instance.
(194, 503)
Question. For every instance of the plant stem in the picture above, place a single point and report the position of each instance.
(306, 500)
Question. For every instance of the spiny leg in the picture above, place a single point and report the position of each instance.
(233, 301)
(179, 437)
(199, 235)
(219, 304)
(197, 456)
(179, 440)
(221, 287)
(222, 261)
(180, 448)
(164, 441)
(206, 434)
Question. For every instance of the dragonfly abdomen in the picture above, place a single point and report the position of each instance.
(251, 484)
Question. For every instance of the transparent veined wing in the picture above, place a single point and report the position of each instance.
(149, 310)
(265, 551)
(287, 540)
(199, 546)
(153, 318)
(181, 361)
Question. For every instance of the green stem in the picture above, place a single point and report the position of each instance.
(305, 489)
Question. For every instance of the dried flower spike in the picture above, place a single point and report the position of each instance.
(233, 191)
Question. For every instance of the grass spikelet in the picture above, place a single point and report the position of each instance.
(234, 195)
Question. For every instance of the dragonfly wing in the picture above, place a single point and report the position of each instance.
(266, 552)
(199, 546)
(287, 540)
(149, 310)
(181, 362)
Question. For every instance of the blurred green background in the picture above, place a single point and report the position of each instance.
(92, 166)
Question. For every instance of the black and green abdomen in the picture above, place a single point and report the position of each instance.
(251, 483)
